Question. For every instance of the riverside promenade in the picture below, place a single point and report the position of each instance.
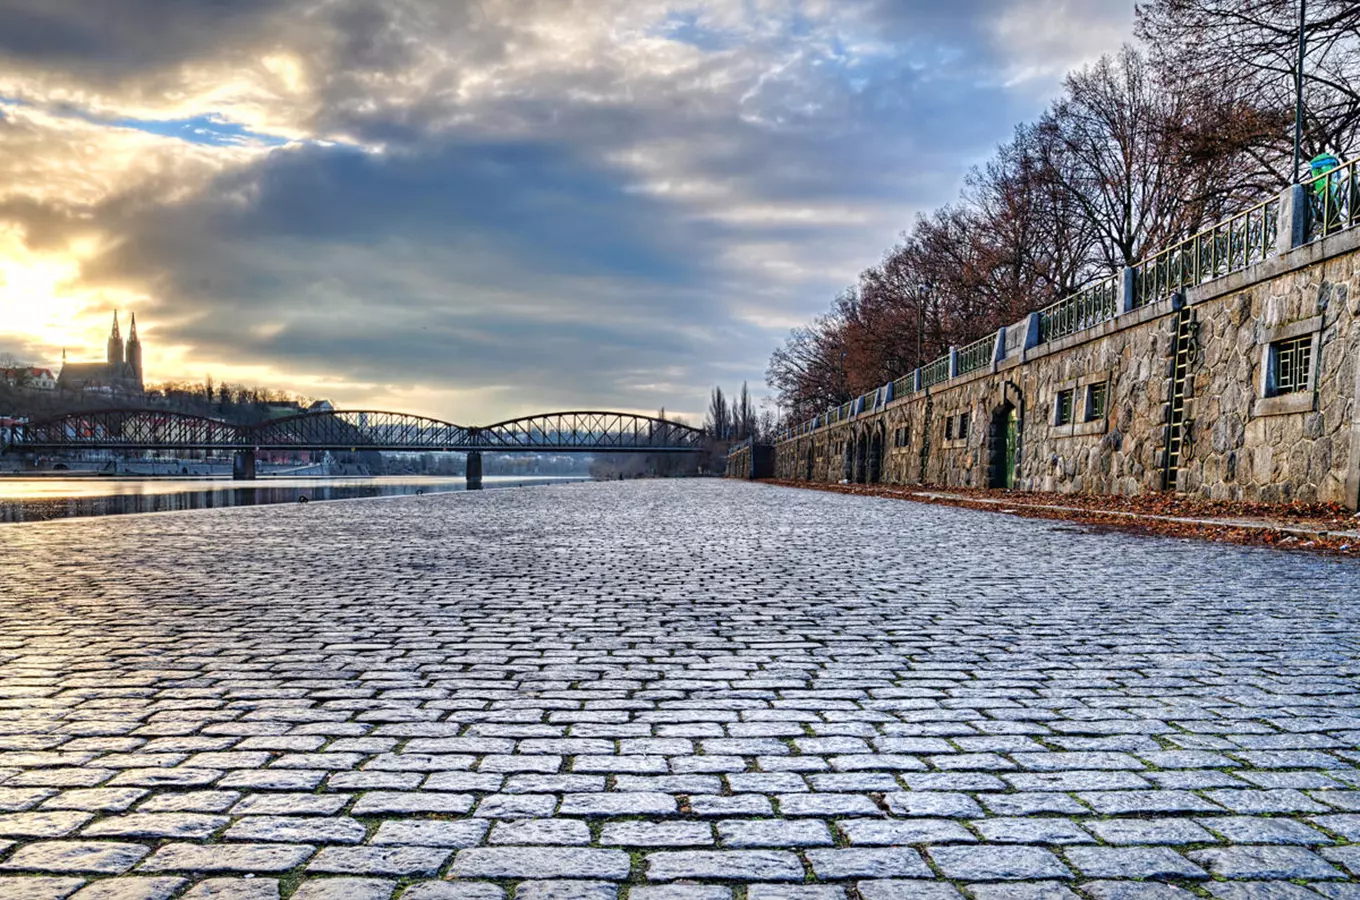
(689, 690)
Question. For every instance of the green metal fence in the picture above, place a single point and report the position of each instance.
(977, 355)
(1333, 201)
(1230, 246)
(1090, 306)
(935, 372)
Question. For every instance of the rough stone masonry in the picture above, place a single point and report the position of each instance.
(1092, 410)
(669, 691)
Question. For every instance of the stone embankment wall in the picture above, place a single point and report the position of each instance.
(1239, 436)
(750, 459)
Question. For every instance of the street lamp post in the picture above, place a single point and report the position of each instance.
(921, 290)
(1298, 91)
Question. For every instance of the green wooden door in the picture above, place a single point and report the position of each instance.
(1012, 447)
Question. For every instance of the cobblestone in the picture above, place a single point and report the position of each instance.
(1132, 862)
(731, 865)
(541, 862)
(247, 858)
(1261, 830)
(92, 857)
(234, 889)
(991, 863)
(1264, 862)
(773, 833)
(131, 888)
(39, 888)
(675, 688)
(344, 889)
(393, 861)
(566, 890)
(889, 889)
(888, 862)
(431, 833)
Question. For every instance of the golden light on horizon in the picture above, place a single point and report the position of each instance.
(41, 304)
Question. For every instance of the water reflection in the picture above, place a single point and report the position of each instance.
(42, 499)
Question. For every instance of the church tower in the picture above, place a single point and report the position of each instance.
(134, 352)
(115, 344)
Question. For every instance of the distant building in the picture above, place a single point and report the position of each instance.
(30, 377)
(121, 373)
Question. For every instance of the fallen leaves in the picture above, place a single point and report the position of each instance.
(1315, 527)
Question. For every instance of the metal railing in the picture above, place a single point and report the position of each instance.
(1333, 201)
(740, 446)
(1230, 246)
(977, 355)
(936, 372)
(1084, 309)
(870, 401)
(904, 386)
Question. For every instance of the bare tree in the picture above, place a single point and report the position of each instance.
(1134, 155)
(717, 422)
(745, 411)
(808, 372)
(1246, 51)
(1113, 145)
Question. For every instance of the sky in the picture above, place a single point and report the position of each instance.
(476, 209)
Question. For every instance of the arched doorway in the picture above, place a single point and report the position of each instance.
(1004, 441)
(875, 467)
(848, 464)
(861, 459)
(811, 462)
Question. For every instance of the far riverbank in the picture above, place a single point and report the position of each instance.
(37, 497)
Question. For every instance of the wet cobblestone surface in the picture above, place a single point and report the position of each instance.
(669, 691)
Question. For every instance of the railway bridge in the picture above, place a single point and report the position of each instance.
(142, 430)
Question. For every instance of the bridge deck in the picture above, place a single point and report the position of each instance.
(578, 431)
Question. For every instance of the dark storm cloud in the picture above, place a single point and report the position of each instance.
(121, 38)
(475, 265)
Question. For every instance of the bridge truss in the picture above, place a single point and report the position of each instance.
(159, 430)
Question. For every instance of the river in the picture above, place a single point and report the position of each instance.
(39, 499)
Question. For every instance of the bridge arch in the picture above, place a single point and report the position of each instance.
(357, 430)
(130, 429)
(596, 430)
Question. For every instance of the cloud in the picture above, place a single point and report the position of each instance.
(497, 203)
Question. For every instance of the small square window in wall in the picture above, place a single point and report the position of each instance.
(963, 426)
(1097, 401)
(1291, 364)
(1062, 411)
(949, 428)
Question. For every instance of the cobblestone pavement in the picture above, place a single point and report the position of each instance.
(669, 691)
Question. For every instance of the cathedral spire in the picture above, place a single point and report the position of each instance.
(134, 353)
(115, 354)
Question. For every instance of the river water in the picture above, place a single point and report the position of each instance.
(39, 499)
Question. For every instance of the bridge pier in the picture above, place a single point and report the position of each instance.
(243, 466)
(474, 470)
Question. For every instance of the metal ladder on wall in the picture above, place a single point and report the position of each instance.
(1181, 354)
